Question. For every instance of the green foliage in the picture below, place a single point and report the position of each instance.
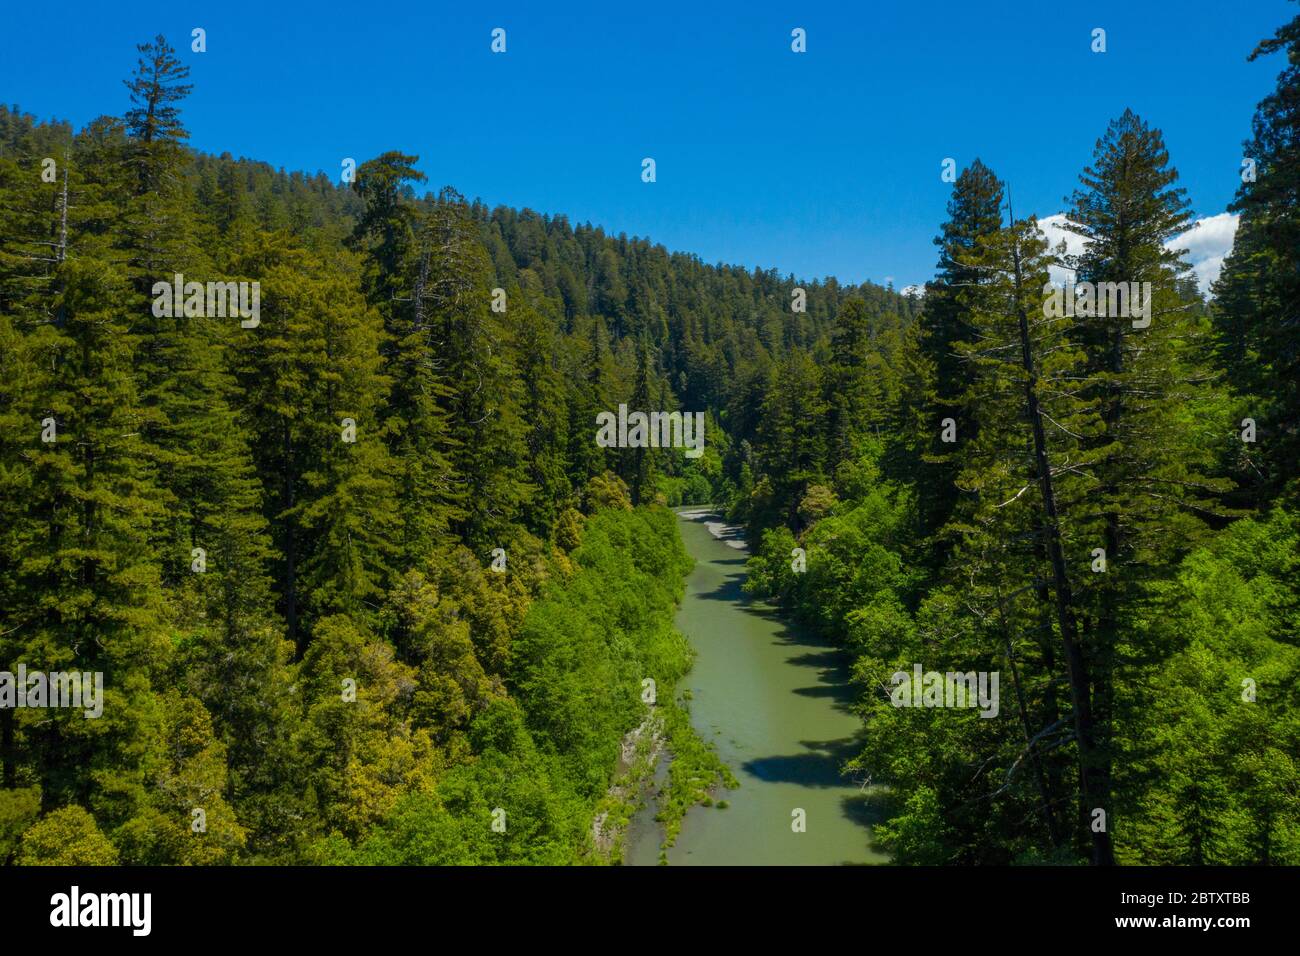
(1255, 308)
(354, 678)
(544, 754)
(66, 837)
(324, 679)
(1077, 538)
(18, 811)
(1209, 769)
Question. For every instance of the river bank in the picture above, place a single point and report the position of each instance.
(776, 703)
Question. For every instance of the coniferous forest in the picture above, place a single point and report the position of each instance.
(307, 468)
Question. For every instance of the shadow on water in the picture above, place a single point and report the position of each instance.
(821, 653)
(833, 677)
(867, 807)
(731, 591)
(829, 662)
(836, 694)
(769, 613)
(820, 765)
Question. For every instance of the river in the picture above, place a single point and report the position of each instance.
(774, 700)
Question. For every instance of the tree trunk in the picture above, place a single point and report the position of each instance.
(1091, 771)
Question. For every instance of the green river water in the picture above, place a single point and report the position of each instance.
(774, 700)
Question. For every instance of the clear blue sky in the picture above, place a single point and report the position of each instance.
(825, 163)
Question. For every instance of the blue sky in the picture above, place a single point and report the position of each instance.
(822, 163)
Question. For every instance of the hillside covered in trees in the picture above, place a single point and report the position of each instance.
(360, 579)
(382, 480)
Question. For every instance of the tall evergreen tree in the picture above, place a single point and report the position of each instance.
(1151, 464)
(790, 434)
(488, 434)
(1017, 562)
(314, 393)
(1257, 298)
(544, 411)
(401, 241)
(974, 212)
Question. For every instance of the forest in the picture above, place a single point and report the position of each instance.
(364, 587)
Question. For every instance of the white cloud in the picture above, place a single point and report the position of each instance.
(1207, 244)
(1053, 227)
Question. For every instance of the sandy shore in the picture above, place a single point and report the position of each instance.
(732, 535)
